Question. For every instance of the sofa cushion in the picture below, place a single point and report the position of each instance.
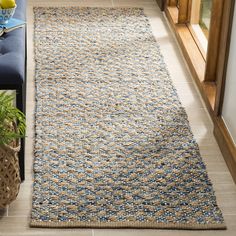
(12, 51)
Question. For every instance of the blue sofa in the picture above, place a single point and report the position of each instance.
(13, 66)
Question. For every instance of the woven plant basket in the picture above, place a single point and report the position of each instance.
(9, 173)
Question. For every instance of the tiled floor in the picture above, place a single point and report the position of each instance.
(15, 219)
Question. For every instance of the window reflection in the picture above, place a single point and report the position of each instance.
(205, 16)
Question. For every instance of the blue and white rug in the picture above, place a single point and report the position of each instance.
(113, 143)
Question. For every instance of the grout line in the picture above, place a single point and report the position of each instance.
(112, 3)
(93, 232)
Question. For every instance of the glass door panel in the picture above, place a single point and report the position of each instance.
(200, 21)
(205, 16)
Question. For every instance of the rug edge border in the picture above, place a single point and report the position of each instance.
(137, 225)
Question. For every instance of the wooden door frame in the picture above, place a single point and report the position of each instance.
(171, 2)
(212, 83)
(223, 137)
(214, 39)
(211, 80)
(223, 54)
(184, 15)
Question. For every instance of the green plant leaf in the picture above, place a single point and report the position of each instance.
(9, 116)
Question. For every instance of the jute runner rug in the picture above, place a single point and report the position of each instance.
(113, 144)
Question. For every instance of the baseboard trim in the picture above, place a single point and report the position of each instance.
(226, 145)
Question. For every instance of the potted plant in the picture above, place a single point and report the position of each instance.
(12, 129)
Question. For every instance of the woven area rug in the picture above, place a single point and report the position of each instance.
(113, 143)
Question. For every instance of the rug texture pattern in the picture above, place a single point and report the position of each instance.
(113, 143)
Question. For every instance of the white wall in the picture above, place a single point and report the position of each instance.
(229, 105)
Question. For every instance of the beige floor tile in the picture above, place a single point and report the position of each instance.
(227, 202)
(185, 88)
(207, 150)
(206, 140)
(22, 205)
(20, 208)
(19, 226)
(216, 167)
(225, 188)
(221, 178)
(136, 3)
(211, 161)
(198, 117)
(190, 102)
